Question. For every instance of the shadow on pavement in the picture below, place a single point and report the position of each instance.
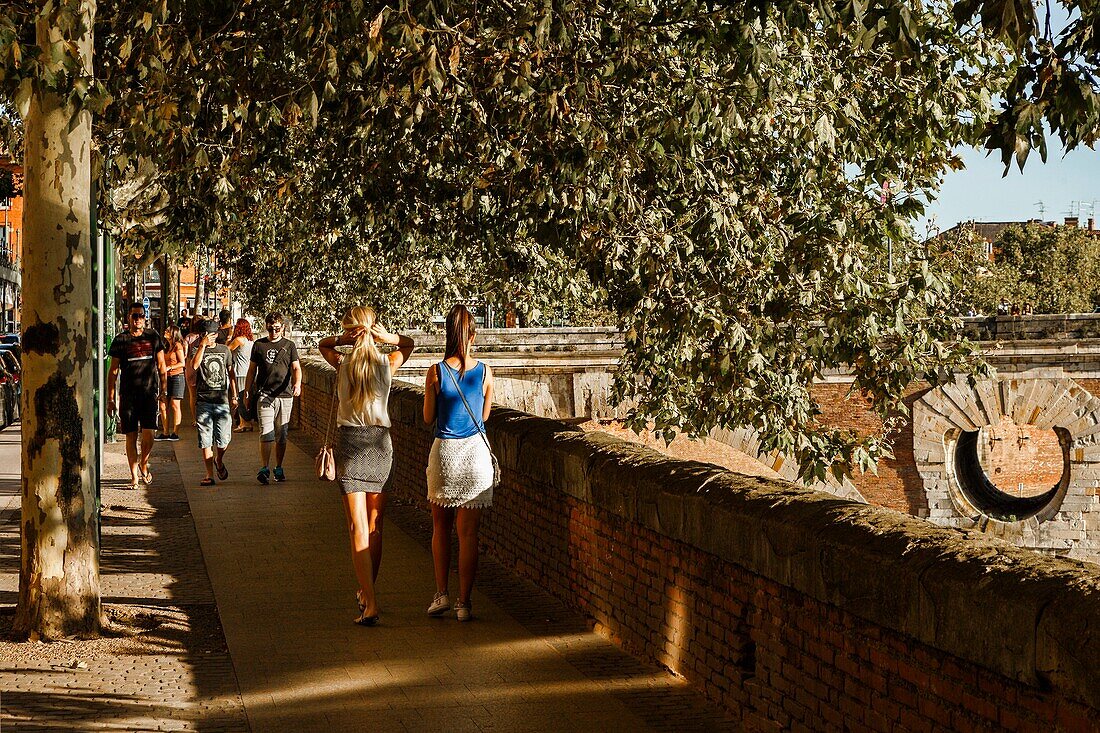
(163, 663)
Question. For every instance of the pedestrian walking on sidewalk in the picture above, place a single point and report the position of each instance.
(138, 354)
(225, 331)
(274, 379)
(197, 332)
(364, 452)
(215, 397)
(241, 348)
(458, 394)
(171, 412)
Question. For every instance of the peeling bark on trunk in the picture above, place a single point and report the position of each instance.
(200, 289)
(59, 574)
(170, 297)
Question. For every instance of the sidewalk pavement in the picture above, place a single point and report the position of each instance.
(279, 560)
(163, 664)
(276, 561)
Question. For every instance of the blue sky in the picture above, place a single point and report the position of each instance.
(1066, 184)
(980, 193)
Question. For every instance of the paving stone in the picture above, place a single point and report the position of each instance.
(275, 559)
(150, 558)
(280, 567)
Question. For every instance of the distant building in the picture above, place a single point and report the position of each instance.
(987, 231)
(990, 231)
(1090, 226)
(11, 251)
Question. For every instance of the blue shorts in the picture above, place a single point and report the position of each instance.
(215, 424)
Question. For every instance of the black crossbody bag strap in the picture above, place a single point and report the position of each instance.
(479, 423)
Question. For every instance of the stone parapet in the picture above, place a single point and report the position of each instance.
(792, 607)
(1058, 326)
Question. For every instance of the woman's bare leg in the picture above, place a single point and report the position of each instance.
(442, 522)
(355, 507)
(376, 505)
(175, 416)
(164, 429)
(467, 523)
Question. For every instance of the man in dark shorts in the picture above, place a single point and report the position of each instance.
(274, 380)
(139, 354)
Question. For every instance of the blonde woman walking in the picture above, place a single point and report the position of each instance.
(460, 467)
(364, 453)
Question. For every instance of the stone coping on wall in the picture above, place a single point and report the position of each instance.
(1029, 617)
(1048, 325)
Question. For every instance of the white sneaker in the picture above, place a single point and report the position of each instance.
(463, 612)
(439, 604)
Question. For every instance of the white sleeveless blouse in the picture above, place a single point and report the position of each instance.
(376, 411)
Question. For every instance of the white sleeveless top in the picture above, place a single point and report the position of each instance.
(376, 411)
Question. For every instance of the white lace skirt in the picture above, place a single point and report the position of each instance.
(460, 473)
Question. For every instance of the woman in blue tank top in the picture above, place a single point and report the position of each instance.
(458, 394)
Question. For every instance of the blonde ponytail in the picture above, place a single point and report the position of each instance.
(360, 364)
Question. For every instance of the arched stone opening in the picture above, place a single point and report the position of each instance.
(1052, 505)
(991, 497)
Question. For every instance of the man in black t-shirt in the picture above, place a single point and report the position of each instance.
(225, 329)
(138, 354)
(274, 380)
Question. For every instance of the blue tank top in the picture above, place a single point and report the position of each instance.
(452, 420)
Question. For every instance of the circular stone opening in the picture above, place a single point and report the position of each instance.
(1011, 472)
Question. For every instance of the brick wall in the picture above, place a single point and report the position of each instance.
(896, 483)
(793, 608)
(1021, 460)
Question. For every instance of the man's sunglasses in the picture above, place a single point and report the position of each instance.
(137, 316)
(274, 327)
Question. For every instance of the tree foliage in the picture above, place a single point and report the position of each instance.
(711, 172)
(1056, 269)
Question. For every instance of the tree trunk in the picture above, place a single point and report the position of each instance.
(169, 292)
(200, 284)
(59, 574)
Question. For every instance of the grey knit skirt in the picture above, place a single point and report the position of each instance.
(364, 457)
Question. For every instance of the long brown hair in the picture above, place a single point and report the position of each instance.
(173, 336)
(460, 332)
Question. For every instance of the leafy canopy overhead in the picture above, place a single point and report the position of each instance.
(714, 174)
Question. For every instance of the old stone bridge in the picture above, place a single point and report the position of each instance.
(799, 609)
(1016, 456)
